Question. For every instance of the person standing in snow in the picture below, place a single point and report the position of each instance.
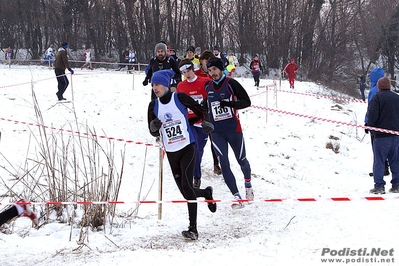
(195, 60)
(290, 70)
(222, 56)
(49, 55)
(19, 209)
(124, 58)
(168, 117)
(362, 86)
(225, 96)
(173, 55)
(60, 64)
(8, 55)
(87, 55)
(375, 75)
(190, 55)
(198, 52)
(256, 68)
(383, 112)
(161, 62)
(131, 60)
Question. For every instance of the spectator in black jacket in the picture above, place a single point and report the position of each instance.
(362, 86)
(124, 58)
(383, 113)
(220, 55)
(174, 55)
(161, 62)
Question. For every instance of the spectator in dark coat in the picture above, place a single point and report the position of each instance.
(375, 75)
(222, 56)
(173, 55)
(124, 58)
(60, 64)
(383, 113)
(161, 62)
(362, 86)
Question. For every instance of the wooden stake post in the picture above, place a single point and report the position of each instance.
(160, 182)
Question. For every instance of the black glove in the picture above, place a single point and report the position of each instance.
(145, 82)
(207, 127)
(366, 130)
(225, 103)
(193, 120)
(155, 125)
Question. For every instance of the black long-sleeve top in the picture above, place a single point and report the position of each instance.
(167, 63)
(243, 100)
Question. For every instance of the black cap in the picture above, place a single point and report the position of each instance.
(191, 49)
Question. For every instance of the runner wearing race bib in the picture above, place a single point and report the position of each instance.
(194, 86)
(225, 97)
(168, 117)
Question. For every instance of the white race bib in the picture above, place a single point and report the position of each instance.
(220, 113)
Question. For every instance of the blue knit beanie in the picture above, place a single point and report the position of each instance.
(162, 77)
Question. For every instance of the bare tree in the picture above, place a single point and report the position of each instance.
(330, 39)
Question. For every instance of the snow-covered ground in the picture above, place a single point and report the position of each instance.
(286, 147)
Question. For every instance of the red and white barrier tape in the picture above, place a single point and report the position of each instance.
(263, 92)
(332, 199)
(317, 95)
(35, 81)
(24, 83)
(253, 106)
(44, 61)
(80, 133)
(326, 120)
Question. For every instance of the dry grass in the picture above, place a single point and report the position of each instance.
(68, 168)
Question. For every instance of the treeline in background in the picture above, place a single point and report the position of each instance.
(333, 41)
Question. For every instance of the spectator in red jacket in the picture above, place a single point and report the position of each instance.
(290, 71)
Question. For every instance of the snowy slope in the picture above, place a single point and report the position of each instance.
(286, 147)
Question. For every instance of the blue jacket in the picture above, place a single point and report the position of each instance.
(375, 75)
